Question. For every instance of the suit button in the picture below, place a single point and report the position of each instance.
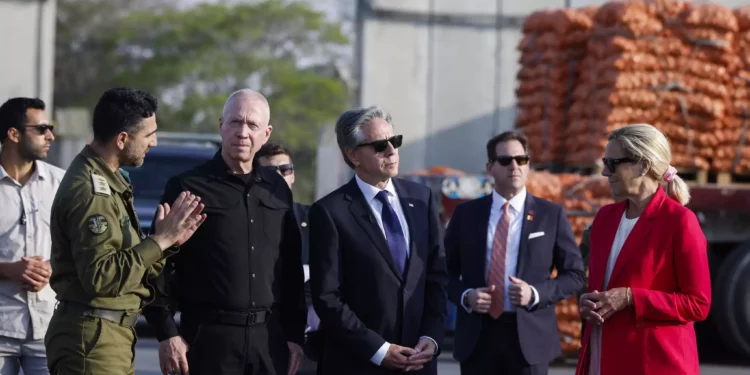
(252, 247)
(251, 220)
(253, 304)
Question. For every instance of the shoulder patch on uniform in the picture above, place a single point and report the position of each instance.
(97, 224)
(100, 185)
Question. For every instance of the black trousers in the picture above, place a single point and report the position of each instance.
(498, 351)
(219, 349)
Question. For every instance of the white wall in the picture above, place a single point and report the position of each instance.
(27, 41)
(450, 85)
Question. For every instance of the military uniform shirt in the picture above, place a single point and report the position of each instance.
(98, 257)
(245, 256)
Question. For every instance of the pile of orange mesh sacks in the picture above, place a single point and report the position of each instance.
(553, 45)
(710, 62)
(734, 154)
(667, 63)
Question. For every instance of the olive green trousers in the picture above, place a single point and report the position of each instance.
(79, 345)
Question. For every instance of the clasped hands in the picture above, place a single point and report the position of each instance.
(596, 307)
(408, 359)
(519, 293)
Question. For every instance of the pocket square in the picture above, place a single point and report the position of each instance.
(536, 234)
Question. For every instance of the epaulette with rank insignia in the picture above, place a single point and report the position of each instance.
(100, 185)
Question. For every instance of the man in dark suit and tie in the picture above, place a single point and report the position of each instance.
(376, 259)
(500, 251)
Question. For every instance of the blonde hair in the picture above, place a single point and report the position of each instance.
(645, 142)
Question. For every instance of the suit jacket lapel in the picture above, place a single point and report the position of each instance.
(529, 211)
(482, 224)
(631, 249)
(362, 213)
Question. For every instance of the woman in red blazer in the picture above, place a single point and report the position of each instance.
(648, 267)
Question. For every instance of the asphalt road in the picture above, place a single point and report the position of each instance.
(147, 363)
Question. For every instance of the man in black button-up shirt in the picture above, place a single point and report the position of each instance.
(241, 295)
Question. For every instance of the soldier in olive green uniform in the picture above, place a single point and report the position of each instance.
(100, 263)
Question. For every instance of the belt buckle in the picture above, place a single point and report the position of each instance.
(252, 318)
(127, 317)
(123, 316)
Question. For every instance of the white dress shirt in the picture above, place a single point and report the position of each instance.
(26, 314)
(515, 211)
(370, 192)
(623, 231)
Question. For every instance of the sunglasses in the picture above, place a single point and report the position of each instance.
(283, 169)
(612, 164)
(382, 145)
(506, 160)
(41, 129)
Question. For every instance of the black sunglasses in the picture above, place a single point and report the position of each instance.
(284, 169)
(612, 164)
(41, 129)
(506, 160)
(382, 145)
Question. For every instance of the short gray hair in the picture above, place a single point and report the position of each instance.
(349, 127)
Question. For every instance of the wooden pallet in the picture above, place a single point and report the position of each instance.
(694, 176)
(725, 178)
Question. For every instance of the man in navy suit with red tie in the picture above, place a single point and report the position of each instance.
(376, 259)
(500, 251)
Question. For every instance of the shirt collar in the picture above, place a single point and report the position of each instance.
(370, 191)
(221, 169)
(516, 202)
(40, 171)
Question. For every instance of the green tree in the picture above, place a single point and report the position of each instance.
(193, 58)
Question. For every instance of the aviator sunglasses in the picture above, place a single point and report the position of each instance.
(506, 160)
(382, 145)
(612, 164)
(41, 129)
(283, 169)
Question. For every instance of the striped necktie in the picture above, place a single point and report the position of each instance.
(496, 275)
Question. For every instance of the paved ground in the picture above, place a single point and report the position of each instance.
(147, 363)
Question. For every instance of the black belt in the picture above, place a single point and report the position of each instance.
(120, 317)
(235, 318)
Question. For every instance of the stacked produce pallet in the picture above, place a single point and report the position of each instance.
(553, 45)
(705, 66)
(667, 63)
(734, 155)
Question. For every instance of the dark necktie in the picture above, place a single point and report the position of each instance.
(393, 232)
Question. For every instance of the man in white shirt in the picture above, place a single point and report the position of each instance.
(500, 250)
(27, 188)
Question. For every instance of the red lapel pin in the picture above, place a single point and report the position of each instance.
(530, 216)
